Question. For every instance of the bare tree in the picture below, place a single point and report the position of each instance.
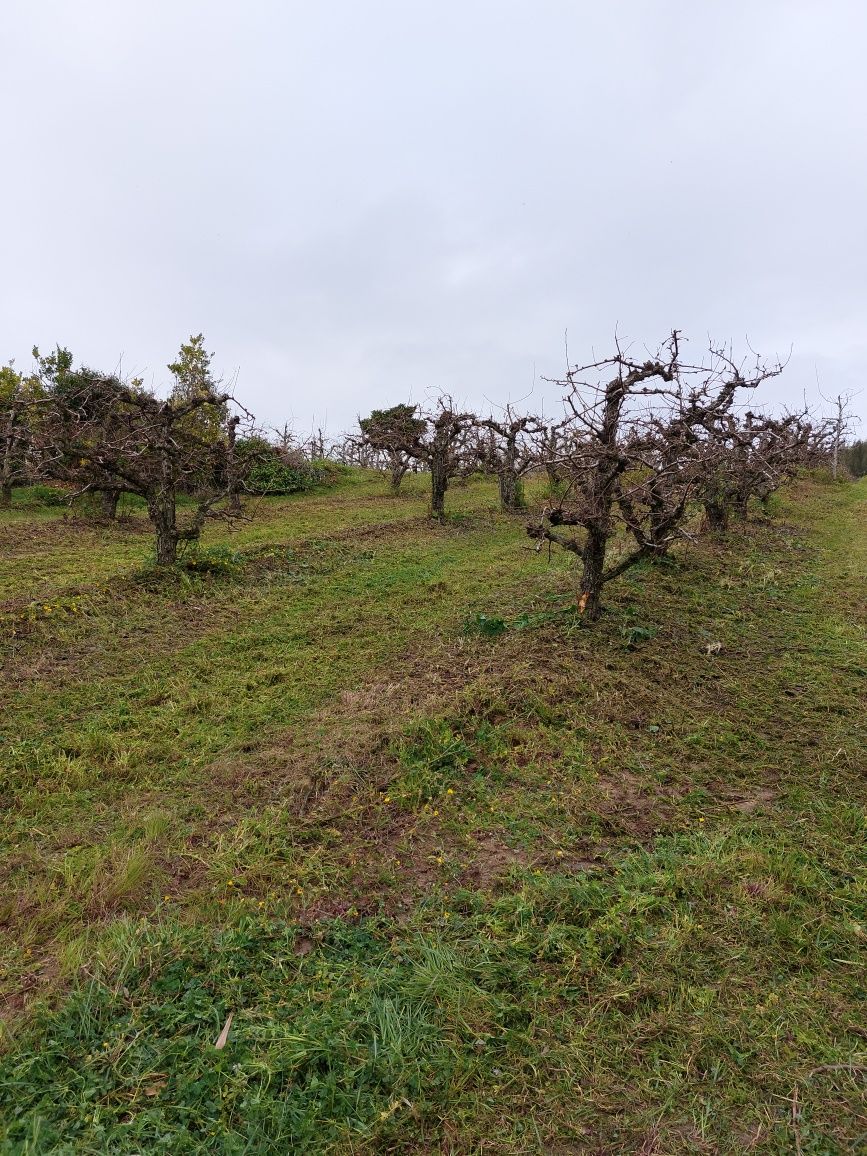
(509, 451)
(594, 469)
(841, 423)
(553, 438)
(392, 433)
(355, 450)
(103, 434)
(642, 446)
(233, 467)
(750, 456)
(316, 447)
(703, 444)
(437, 439)
(442, 448)
(284, 438)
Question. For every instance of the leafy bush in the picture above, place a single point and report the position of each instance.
(195, 566)
(268, 469)
(491, 625)
(273, 476)
(46, 496)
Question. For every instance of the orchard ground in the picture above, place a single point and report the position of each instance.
(467, 876)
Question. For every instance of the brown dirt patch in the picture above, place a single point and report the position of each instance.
(37, 536)
(749, 803)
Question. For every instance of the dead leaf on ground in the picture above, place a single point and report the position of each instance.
(224, 1034)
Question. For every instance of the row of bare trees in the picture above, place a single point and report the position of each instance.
(449, 442)
(640, 445)
(652, 438)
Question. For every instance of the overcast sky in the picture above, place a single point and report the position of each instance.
(359, 201)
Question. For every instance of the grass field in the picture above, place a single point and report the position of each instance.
(468, 876)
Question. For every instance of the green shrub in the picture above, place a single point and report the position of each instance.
(51, 496)
(273, 476)
(268, 469)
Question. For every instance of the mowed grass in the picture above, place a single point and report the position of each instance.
(468, 876)
(48, 551)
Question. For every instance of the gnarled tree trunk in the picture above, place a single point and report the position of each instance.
(163, 514)
(716, 517)
(511, 491)
(399, 466)
(511, 496)
(593, 555)
(108, 500)
(439, 483)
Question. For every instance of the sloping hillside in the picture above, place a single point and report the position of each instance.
(466, 875)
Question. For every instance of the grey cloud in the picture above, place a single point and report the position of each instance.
(360, 201)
